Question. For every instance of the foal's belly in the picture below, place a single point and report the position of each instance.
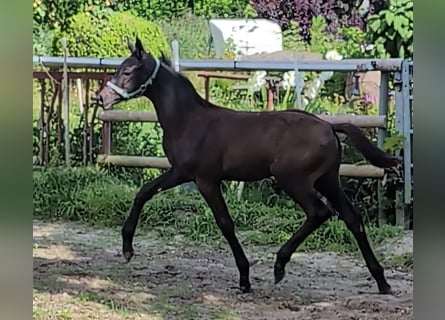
(250, 169)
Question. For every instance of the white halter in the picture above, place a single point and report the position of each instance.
(127, 95)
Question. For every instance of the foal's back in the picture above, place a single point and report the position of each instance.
(273, 126)
(248, 144)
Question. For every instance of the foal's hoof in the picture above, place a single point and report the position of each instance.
(279, 274)
(245, 288)
(128, 255)
(385, 289)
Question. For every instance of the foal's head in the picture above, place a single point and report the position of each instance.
(132, 78)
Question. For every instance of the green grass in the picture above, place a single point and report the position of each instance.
(95, 197)
(108, 302)
(404, 261)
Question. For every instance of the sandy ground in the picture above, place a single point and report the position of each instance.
(79, 274)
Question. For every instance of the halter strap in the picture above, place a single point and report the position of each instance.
(127, 95)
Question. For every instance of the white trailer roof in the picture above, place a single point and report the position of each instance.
(249, 36)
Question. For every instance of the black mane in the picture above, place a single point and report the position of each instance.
(164, 59)
(168, 62)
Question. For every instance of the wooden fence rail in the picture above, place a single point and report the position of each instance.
(162, 163)
(147, 116)
(349, 170)
(397, 70)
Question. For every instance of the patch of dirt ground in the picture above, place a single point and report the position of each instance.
(79, 274)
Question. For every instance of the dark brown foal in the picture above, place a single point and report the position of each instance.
(207, 144)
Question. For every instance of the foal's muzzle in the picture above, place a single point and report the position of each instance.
(106, 98)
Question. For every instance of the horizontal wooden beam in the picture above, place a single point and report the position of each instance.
(134, 161)
(349, 170)
(127, 116)
(147, 116)
(358, 120)
(364, 170)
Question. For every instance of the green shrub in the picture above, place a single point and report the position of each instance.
(52, 14)
(154, 9)
(103, 34)
(192, 33)
(41, 41)
(352, 38)
(220, 8)
(166, 9)
(391, 30)
(136, 139)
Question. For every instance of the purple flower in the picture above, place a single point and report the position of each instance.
(369, 98)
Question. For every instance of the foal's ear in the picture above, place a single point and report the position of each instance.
(139, 49)
(130, 45)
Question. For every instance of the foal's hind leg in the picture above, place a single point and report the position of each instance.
(329, 186)
(167, 180)
(316, 211)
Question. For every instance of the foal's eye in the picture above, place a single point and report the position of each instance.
(127, 73)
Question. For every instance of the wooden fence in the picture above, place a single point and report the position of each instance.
(110, 116)
(400, 71)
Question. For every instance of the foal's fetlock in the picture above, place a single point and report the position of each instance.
(384, 288)
(128, 254)
(279, 272)
(382, 283)
(127, 249)
(279, 267)
(245, 286)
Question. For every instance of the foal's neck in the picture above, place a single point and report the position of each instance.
(174, 101)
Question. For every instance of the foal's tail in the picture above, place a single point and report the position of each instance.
(373, 154)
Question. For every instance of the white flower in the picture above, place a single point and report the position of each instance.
(260, 74)
(313, 89)
(305, 102)
(289, 80)
(311, 92)
(289, 77)
(333, 55)
(258, 84)
(258, 80)
(317, 84)
(285, 84)
(326, 75)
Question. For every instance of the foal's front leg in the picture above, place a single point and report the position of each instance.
(165, 181)
(212, 194)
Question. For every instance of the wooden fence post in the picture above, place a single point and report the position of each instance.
(65, 102)
(381, 136)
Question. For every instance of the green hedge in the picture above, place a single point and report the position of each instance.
(391, 30)
(192, 33)
(51, 14)
(104, 33)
